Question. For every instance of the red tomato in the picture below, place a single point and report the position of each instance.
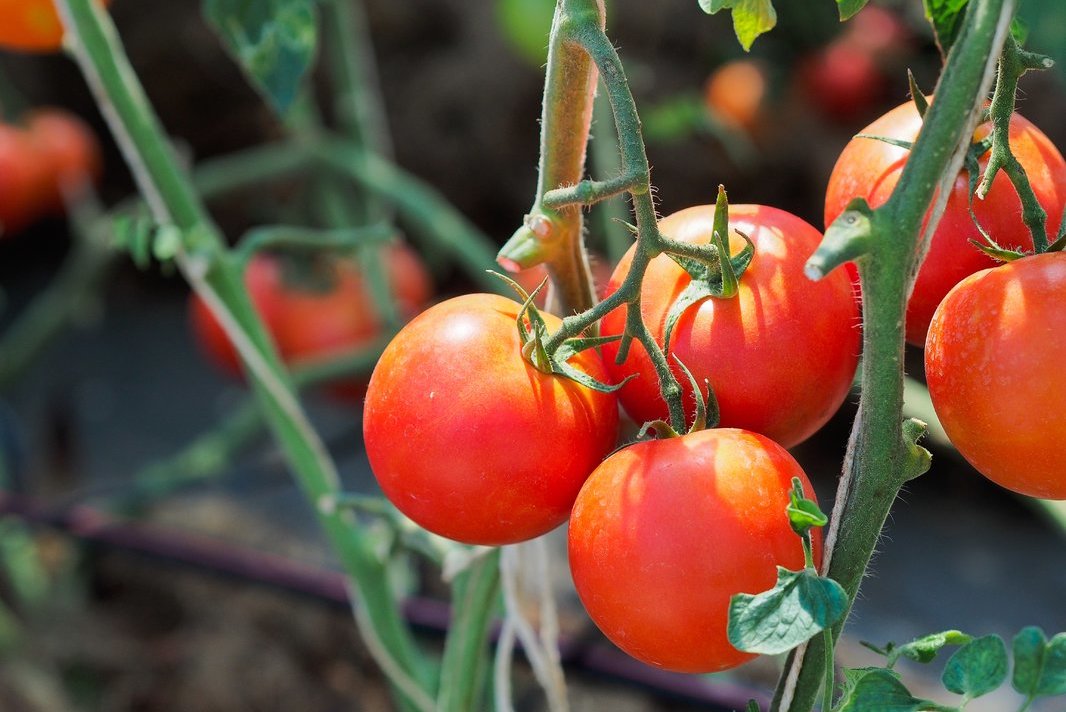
(24, 180)
(69, 150)
(311, 324)
(780, 355)
(870, 169)
(842, 81)
(994, 362)
(664, 532)
(736, 91)
(471, 441)
(31, 25)
(877, 30)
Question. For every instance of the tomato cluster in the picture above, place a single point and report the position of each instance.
(315, 311)
(51, 151)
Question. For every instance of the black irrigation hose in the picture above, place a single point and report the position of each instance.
(580, 653)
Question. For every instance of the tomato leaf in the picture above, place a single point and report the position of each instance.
(775, 621)
(1039, 665)
(878, 689)
(924, 649)
(945, 15)
(751, 18)
(848, 8)
(273, 40)
(803, 514)
(977, 668)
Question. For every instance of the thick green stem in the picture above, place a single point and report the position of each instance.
(550, 235)
(879, 458)
(216, 278)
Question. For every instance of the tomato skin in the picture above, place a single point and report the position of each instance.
(993, 361)
(664, 532)
(32, 25)
(780, 355)
(68, 148)
(472, 442)
(871, 169)
(309, 325)
(24, 180)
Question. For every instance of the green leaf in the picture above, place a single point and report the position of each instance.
(1039, 665)
(924, 649)
(879, 690)
(751, 18)
(802, 512)
(848, 8)
(801, 605)
(977, 668)
(945, 16)
(273, 40)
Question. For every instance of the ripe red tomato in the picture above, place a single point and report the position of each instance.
(31, 25)
(309, 323)
(664, 532)
(68, 148)
(870, 169)
(736, 91)
(24, 180)
(471, 441)
(780, 355)
(842, 81)
(994, 362)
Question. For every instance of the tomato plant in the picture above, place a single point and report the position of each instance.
(311, 321)
(870, 169)
(780, 355)
(993, 360)
(665, 532)
(31, 25)
(471, 441)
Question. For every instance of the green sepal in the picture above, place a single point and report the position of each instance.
(751, 18)
(560, 365)
(976, 668)
(799, 606)
(879, 689)
(707, 411)
(997, 253)
(849, 8)
(1057, 245)
(663, 430)
(919, 460)
(803, 513)
(752, 706)
(897, 142)
(1039, 664)
(917, 95)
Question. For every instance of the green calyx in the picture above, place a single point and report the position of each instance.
(719, 279)
(707, 412)
(534, 337)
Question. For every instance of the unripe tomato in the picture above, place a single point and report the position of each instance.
(664, 532)
(994, 362)
(31, 25)
(471, 441)
(735, 93)
(68, 148)
(780, 355)
(870, 169)
(314, 322)
(24, 180)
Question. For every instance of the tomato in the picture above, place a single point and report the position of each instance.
(309, 322)
(877, 30)
(471, 441)
(870, 169)
(780, 355)
(31, 25)
(24, 180)
(68, 148)
(842, 81)
(736, 92)
(993, 360)
(664, 532)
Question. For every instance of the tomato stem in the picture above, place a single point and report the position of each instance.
(885, 244)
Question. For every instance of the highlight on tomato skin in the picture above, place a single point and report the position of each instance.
(32, 25)
(471, 441)
(994, 364)
(665, 532)
(780, 355)
(870, 169)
